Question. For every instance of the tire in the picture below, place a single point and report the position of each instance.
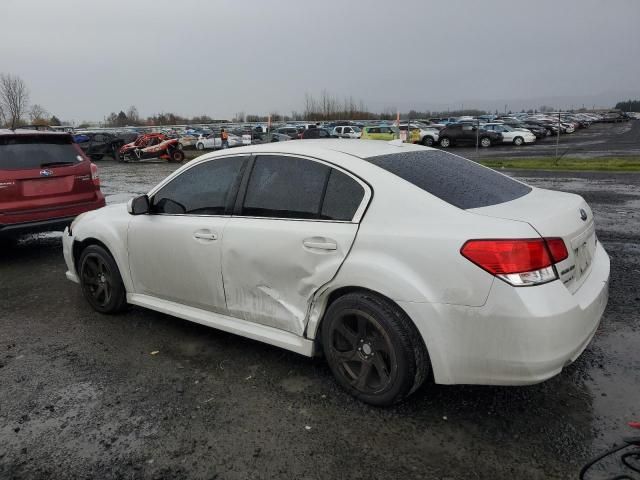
(100, 280)
(445, 142)
(518, 141)
(485, 142)
(200, 146)
(427, 141)
(360, 325)
(177, 156)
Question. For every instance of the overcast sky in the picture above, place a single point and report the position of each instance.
(83, 59)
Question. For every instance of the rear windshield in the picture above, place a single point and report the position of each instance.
(23, 152)
(456, 180)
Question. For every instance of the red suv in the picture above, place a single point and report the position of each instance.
(45, 181)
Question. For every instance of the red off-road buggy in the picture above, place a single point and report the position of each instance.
(151, 146)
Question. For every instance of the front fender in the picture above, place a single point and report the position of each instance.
(109, 226)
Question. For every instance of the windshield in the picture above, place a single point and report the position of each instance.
(24, 152)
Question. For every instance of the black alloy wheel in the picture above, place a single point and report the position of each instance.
(373, 349)
(100, 280)
(363, 351)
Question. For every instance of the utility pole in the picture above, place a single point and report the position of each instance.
(477, 137)
(558, 136)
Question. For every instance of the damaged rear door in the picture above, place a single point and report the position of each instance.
(295, 221)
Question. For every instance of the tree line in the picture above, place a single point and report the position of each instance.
(628, 106)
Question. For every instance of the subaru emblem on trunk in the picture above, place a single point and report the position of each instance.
(46, 172)
(583, 214)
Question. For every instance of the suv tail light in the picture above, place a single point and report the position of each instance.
(519, 262)
(94, 176)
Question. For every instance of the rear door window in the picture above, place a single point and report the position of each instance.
(342, 198)
(38, 151)
(454, 179)
(285, 187)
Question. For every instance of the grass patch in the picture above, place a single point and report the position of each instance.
(603, 164)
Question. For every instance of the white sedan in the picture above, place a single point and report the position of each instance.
(511, 135)
(399, 262)
(214, 141)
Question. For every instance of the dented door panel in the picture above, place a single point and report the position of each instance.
(271, 268)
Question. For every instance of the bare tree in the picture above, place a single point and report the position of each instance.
(14, 97)
(132, 115)
(38, 114)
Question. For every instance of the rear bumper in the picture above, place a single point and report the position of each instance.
(520, 336)
(54, 219)
(50, 225)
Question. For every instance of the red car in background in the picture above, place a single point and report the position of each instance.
(46, 180)
(152, 146)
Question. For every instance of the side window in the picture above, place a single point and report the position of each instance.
(343, 197)
(285, 187)
(323, 133)
(201, 190)
(348, 130)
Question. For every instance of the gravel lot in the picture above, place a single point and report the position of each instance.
(81, 395)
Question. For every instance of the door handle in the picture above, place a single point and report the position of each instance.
(205, 236)
(320, 244)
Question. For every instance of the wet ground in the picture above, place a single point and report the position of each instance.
(82, 395)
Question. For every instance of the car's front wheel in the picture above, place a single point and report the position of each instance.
(427, 141)
(518, 141)
(445, 142)
(373, 348)
(101, 281)
(200, 146)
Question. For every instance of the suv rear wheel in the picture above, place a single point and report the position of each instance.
(485, 142)
(445, 142)
(373, 349)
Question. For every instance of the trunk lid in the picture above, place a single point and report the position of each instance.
(555, 214)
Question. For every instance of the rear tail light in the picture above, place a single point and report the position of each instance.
(94, 175)
(519, 262)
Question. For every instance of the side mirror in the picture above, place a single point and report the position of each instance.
(139, 205)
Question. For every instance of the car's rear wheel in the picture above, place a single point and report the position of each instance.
(373, 348)
(445, 142)
(101, 281)
(485, 142)
(518, 141)
(200, 146)
(427, 141)
(177, 155)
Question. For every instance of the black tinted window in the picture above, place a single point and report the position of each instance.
(454, 179)
(343, 197)
(23, 152)
(285, 187)
(201, 190)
